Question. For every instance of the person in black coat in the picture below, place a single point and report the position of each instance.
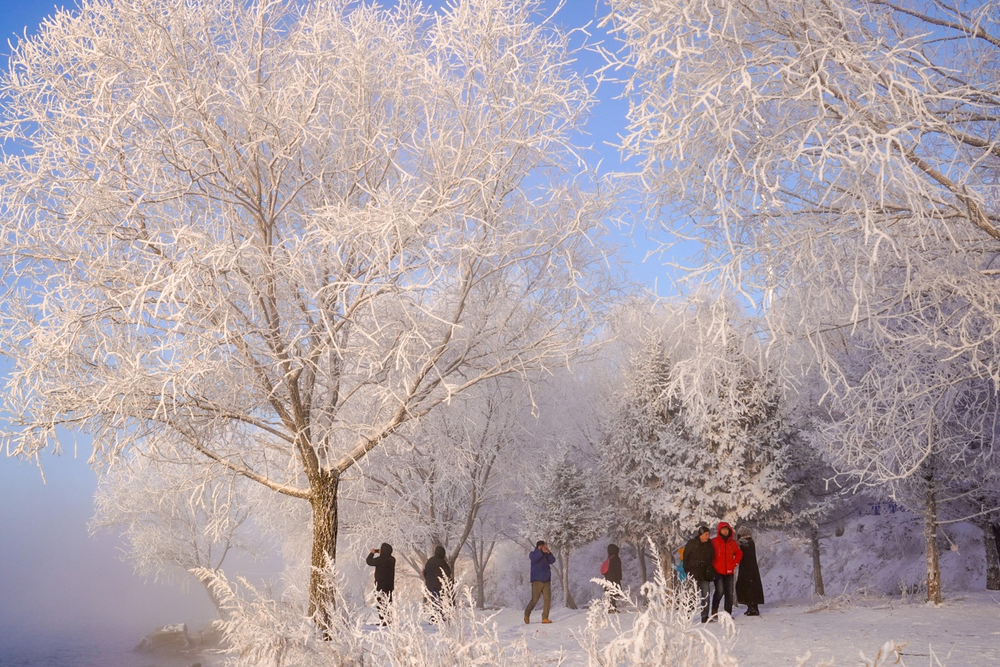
(698, 557)
(749, 588)
(385, 577)
(614, 573)
(436, 572)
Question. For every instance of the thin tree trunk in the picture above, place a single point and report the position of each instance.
(324, 547)
(480, 555)
(667, 565)
(480, 588)
(643, 573)
(992, 559)
(568, 600)
(640, 551)
(818, 587)
(931, 541)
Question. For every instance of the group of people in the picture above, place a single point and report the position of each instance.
(437, 571)
(707, 560)
(714, 560)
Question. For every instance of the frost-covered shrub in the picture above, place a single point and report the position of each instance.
(265, 631)
(268, 631)
(667, 632)
(455, 637)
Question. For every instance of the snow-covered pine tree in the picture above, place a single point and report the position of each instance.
(562, 509)
(697, 434)
(632, 451)
(741, 442)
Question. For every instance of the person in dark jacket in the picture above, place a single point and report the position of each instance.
(749, 589)
(727, 557)
(614, 573)
(698, 557)
(385, 578)
(541, 580)
(436, 572)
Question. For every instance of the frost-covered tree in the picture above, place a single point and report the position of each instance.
(698, 433)
(561, 507)
(976, 499)
(493, 524)
(839, 151)
(428, 487)
(838, 159)
(911, 425)
(818, 500)
(636, 447)
(233, 226)
(175, 517)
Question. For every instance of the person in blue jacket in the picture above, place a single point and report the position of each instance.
(541, 580)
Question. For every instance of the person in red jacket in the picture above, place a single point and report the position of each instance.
(727, 557)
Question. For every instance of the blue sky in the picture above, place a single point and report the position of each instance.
(51, 573)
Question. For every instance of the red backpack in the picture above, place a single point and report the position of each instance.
(605, 565)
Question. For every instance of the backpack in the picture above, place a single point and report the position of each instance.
(605, 565)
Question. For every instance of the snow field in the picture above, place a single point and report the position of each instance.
(963, 632)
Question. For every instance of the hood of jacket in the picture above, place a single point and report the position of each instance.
(718, 531)
(385, 549)
(439, 551)
(612, 550)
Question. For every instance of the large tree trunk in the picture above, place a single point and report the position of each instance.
(818, 587)
(931, 541)
(992, 558)
(223, 615)
(324, 547)
(568, 600)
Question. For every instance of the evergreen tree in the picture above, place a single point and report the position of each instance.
(564, 512)
(697, 433)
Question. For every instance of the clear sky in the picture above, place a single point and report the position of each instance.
(52, 575)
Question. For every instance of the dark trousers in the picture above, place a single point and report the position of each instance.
(383, 600)
(435, 604)
(705, 593)
(724, 585)
(614, 594)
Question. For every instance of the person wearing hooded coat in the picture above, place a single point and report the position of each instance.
(541, 580)
(699, 554)
(727, 557)
(385, 577)
(749, 589)
(436, 571)
(614, 573)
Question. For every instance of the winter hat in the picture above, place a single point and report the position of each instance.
(744, 531)
(702, 529)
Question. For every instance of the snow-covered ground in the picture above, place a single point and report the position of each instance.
(962, 632)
